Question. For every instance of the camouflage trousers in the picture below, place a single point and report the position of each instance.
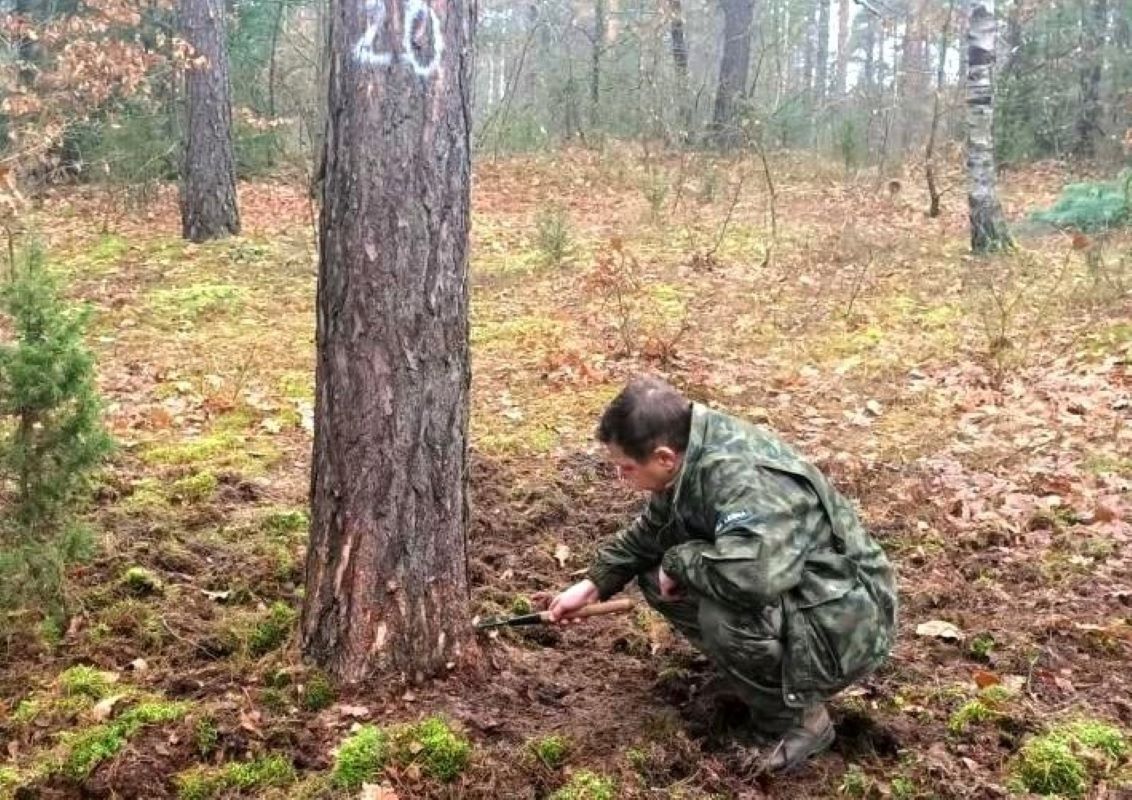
(746, 647)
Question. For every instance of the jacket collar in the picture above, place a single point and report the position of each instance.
(696, 438)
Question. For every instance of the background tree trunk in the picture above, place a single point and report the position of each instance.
(843, 10)
(26, 50)
(913, 74)
(869, 70)
(738, 18)
(209, 207)
(386, 571)
(934, 194)
(821, 63)
(1094, 25)
(680, 66)
(809, 51)
(595, 68)
(988, 225)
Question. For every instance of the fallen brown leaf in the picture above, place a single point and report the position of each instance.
(104, 708)
(358, 712)
(983, 679)
(374, 791)
(939, 629)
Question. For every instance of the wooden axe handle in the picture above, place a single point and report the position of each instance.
(609, 607)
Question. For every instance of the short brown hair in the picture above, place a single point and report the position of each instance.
(647, 414)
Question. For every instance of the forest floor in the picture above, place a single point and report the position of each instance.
(977, 411)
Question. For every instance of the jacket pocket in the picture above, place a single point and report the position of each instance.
(750, 644)
(815, 664)
(839, 634)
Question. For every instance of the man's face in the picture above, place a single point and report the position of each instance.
(653, 474)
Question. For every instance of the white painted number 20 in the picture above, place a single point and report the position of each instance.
(418, 16)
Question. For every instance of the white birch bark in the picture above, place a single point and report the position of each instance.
(988, 225)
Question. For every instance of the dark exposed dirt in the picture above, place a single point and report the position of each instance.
(1047, 591)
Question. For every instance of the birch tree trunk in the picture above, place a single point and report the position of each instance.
(988, 225)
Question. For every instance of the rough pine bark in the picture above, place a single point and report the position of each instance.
(988, 225)
(386, 570)
(209, 208)
(738, 18)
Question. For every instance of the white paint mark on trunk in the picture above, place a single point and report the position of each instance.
(430, 29)
(422, 41)
(366, 50)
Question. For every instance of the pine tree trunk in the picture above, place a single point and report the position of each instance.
(1013, 38)
(317, 127)
(782, 61)
(26, 49)
(988, 225)
(680, 66)
(821, 64)
(934, 194)
(809, 48)
(536, 45)
(738, 18)
(868, 72)
(386, 571)
(842, 47)
(1094, 26)
(595, 68)
(209, 207)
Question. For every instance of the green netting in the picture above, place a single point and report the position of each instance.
(1091, 206)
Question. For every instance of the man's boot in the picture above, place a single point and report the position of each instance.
(814, 735)
(716, 707)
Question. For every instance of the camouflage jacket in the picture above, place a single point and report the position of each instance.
(748, 523)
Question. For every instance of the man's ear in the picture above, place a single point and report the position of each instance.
(667, 457)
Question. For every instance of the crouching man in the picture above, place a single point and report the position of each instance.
(752, 555)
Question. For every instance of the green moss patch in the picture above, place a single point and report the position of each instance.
(204, 783)
(431, 745)
(551, 750)
(272, 629)
(83, 750)
(1068, 759)
(586, 785)
(87, 681)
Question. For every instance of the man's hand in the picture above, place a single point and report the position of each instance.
(566, 603)
(669, 588)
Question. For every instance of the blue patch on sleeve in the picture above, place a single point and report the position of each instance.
(733, 518)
